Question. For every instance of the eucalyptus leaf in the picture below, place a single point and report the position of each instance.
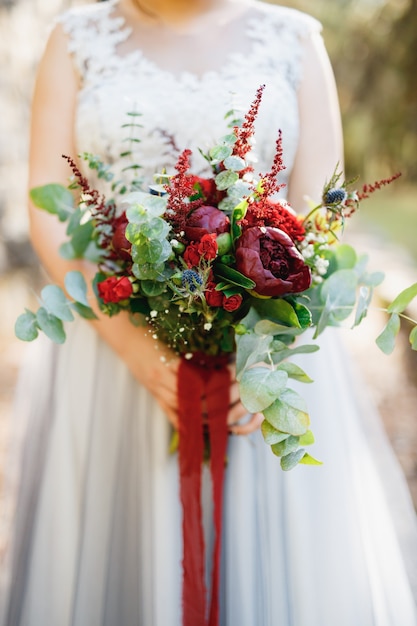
(53, 198)
(288, 413)
(403, 299)
(56, 303)
(84, 311)
(307, 439)
(234, 163)
(339, 293)
(346, 256)
(307, 459)
(266, 327)
(286, 352)
(51, 326)
(295, 372)
(271, 435)
(26, 326)
(286, 446)
(364, 300)
(226, 179)
(289, 461)
(251, 349)
(386, 340)
(220, 153)
(76, 287)
(260, 386)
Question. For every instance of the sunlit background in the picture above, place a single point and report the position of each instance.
(373, 49)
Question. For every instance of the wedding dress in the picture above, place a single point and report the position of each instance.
(97, 537)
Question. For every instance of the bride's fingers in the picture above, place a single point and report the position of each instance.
(236, 412)
(245, 429)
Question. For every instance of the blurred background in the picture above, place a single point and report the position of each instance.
(373, 49)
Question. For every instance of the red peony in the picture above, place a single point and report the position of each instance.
(114, 289)
(268, 256)
(232, 303)
(206, 220)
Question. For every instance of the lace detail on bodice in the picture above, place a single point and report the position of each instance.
(186, 110)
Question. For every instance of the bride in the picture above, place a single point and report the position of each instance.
(97, 530)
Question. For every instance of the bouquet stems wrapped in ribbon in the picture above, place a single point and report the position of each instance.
(217, 268)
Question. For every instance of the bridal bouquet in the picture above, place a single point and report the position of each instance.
(219, 265)
(214, 267)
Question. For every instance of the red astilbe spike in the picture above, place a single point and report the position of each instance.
(368, 189)
(104, 213)
(270, 184)
(180, 188)
(242, 145)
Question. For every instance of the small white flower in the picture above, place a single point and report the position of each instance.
(188, 356)
(322, 265)
(163, 359)
(155, 336)
(181, 330)
(153, 313)
(308, 252)
(208, 326)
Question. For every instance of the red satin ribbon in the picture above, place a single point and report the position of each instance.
(206, 378)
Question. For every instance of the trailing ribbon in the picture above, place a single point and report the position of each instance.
(205, 380)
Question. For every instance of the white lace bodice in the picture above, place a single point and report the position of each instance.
(186, 110)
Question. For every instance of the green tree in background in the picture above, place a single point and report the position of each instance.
(373, 48)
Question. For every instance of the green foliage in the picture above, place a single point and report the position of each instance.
(53, 198)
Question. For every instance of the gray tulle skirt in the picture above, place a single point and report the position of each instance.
(96, 525)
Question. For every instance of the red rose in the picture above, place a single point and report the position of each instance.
(120, 244)
(232, 303)
(208, 246)
(269, 257)
(205, 220)
(207, 187)
(114, 289)
(213, 297)
(191, 255)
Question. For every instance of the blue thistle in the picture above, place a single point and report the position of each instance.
(191, 280)
(335, 196)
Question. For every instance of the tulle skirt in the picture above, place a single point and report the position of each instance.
(97, 527)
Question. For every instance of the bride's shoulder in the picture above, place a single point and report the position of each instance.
(87, 14)
(288, 18)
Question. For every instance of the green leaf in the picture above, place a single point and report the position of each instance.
(286, 446)
(26, 326)
(234, 163)
(53, 198)
(76, 287)
(413, 338)
(345, 256)
(51, 326)
(285, 353)
(364, 300)
(226, 179)
(56, 303)
(277, 310)
(271, 434)
(386, 340)
(152, 288)
(295, 372)
(260, 386)
(339, 293)
(232, 276)
(288, 413)
(266, 327)
(403, 299)
(84, 311)
(307, 439)
(251, 349)
(289, 461)
(220, 153)
(307, 459)
(81, 238)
